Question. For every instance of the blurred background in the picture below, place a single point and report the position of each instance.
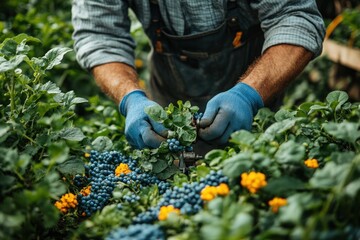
(50, 21)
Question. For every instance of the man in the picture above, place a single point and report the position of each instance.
(229, 57)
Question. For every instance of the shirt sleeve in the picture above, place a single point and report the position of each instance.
(102, 32)
(291, 22)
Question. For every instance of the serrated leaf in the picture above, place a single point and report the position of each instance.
(52, 58)
(156, 112)
(78, 100)
(72, 134)
(13, 63)
(50, 88)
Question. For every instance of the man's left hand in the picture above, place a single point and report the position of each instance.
(228, 112)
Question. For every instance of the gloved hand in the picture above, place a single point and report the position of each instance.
(228, 112)
(140, 130)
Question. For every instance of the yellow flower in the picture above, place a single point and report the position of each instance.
(208, 193)
(85, 191)
(166, 210)
(66, 202)
(139, 63)
(276, 203)
(122, 168)
(223, 189)
(87, 155)
(253, 181)
(312, 163)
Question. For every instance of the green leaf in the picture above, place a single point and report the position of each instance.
(168, 172)
(8, 48)
(290, 152)
(353, 188)
(336, 99)
(159, 166)
(102, 143)
(284, 185)
(156, 112)
(50, 88)
(13, 63)
(284, 114)
(52, 58)
(347, 131)
(237, 164)
(71, 167)
(242, 137)
(278, 128)
(330, 175)
(72, 134)
(58, 152)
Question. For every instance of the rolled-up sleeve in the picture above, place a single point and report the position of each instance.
(102, 32)
(291, 22)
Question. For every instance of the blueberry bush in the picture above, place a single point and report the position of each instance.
(67, 171)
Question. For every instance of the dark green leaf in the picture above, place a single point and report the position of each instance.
(72, 134)
(283, 186)
(237, 164)
(168, 172)
(102, 143)
(159, 166)
(71, 167)
(290, 152)
(347, 131)
(336, 99)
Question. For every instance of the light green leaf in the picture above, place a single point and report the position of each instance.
(156, 112)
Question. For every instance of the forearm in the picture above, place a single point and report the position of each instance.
(116, 79)
(275, 69)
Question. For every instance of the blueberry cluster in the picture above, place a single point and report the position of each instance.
(131, 198)
(186, 198)
(198, 115)
(102, 178)
(80, 181)
(175, 145)
(138, 232)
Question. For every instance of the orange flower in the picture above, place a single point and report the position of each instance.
(276, 203)
(253, 181)
(223, 189)
(166, 210)
(208, 193)
(85, 191)
(122, 169)
(66, 202)
(312, 163)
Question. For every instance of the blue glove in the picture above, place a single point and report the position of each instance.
(228, 112)
(140, 130)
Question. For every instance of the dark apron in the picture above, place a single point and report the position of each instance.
(197, 67)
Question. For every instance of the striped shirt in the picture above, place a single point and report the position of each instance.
(102, 27)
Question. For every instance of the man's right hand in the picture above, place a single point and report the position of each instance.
(140, 130)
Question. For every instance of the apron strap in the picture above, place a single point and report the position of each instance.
(157, 24)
